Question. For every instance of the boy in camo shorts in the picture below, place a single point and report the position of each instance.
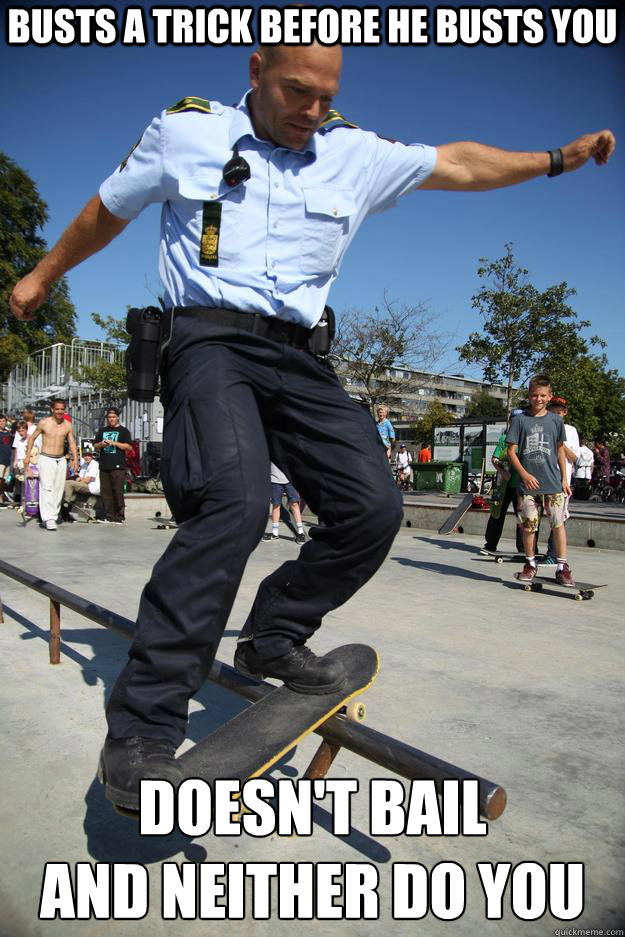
(536, 450)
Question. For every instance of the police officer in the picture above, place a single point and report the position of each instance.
(260, 202)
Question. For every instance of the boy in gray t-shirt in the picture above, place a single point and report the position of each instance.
(535, 449)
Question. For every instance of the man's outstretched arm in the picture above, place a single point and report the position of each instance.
(474, 167)
(88, 233)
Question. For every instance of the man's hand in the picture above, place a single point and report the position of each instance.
(566, 488)
(599, 146)
(530, 482)
(28, 295)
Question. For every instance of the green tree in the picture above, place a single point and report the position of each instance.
(22, 214)
(374, 346)
(483, 406)
(595, 393)
(521, 324)
(108, 376)
(435, 415)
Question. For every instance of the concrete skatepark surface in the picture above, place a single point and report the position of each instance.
(524, 689)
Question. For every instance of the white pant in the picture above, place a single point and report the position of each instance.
(52, 474)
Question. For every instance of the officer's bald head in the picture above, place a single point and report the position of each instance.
(293, 88)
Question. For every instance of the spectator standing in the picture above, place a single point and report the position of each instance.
(55, 432)
(280, 486)
(385, 429)
(425, 454)
(112, 442)
(6, 446)
(582, 472)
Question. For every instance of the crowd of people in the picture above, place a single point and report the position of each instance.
(42, 475)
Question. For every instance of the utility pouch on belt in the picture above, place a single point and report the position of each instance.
(322, 335)
(143, 354)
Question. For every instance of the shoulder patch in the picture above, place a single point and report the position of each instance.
(334, 119)
(190, 104)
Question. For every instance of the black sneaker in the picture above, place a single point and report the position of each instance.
(270, 537)
(125, 762)
(300, 669)
(300, 538)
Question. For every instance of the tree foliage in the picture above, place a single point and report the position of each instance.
(595, 393)
(521, 323)
(483, 406)
(108, 376)
(22, 214)
(393, 337)
(435, 415)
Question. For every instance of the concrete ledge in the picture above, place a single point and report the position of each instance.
(605, 533)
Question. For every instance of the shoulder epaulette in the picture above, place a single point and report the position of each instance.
(190, 104)
(334, 119)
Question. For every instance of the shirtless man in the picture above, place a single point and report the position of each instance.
(52, 465)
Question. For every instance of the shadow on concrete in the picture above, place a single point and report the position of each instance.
(449, 544)
(114, 838)
(444, 570)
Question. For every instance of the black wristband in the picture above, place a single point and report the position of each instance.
(556, 162)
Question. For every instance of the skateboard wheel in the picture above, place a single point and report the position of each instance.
(579, 596)
(356, 711)
(499, 559)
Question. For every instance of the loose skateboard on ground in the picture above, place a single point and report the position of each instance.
(456, 515)
(250, 743)
(87, 515)
(580, 591)
(163, 523)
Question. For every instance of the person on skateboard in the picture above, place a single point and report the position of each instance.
(536, 449)
(260, 201)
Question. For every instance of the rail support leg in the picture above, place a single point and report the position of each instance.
(322, 761)
(55, 632)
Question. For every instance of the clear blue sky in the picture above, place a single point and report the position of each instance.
(70, 114)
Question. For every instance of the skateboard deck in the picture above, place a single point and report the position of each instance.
(502, 556)
(85, 513)
(580, 591)
(164, 523)
(456, 515)
(250, 743)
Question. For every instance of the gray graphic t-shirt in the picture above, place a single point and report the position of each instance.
(537, 439)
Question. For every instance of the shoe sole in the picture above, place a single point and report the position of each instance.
(305, 689)
(121, 800)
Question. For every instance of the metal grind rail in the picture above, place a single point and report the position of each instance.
(337, 732)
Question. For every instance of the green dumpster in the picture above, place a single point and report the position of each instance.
(438, 476)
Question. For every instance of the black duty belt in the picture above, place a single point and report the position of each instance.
(277, 330)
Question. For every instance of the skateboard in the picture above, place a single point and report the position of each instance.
(85, 513)
(250, 743)
(502, 556)
(456, 515)
(163, 523)
(580, 591)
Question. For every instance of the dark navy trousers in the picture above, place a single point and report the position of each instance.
(233, 401)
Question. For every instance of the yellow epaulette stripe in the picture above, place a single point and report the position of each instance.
(190, 104)
(336, 120)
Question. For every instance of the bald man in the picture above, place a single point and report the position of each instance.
(260, 202)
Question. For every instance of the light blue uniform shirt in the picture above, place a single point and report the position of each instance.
(284, 231)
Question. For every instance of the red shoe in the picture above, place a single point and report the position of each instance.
(564, 577)
(527, 573)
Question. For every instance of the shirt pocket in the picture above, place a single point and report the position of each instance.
(213, 213)
(326, 227)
